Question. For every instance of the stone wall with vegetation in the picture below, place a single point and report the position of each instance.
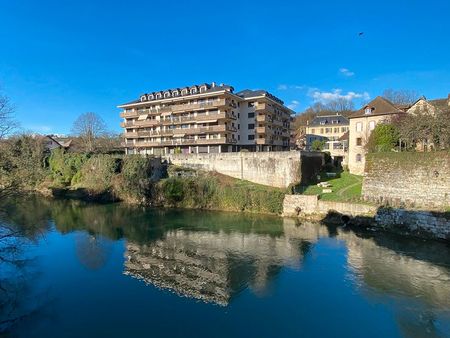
(411, 179)
(276, 169)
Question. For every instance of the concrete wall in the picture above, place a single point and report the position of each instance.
(276, 169)
(408, 179)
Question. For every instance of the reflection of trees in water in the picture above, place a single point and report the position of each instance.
(19, 301)
(92, 250)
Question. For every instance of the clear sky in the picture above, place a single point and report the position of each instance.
(59, 59)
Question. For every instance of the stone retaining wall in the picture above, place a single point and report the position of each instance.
(307, 205)
(276, 169)
(420, 180)
(427, 224)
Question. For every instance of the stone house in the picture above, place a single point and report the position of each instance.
(424, 107)
(362, 122)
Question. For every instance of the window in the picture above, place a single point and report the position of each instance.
(359, 141)
(359, 126)
(239, 126)
(251, 104)
(251, 115)
(321, 130)
(251, 137)
(239, 137)
(336, 130)
(368, 111)
(343, 129)
(327, 130)
(251, 126)
(313, 131)
(358, 157)
(371, 125)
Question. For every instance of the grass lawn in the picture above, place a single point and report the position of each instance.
(345, 187)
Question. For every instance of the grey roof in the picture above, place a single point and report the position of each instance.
(329, 120)
(247, 93)
(213, 87)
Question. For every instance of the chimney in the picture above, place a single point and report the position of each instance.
(213, 84)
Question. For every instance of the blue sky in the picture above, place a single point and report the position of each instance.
(59, 59)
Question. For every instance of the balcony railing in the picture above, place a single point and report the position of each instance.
(264, 107)
(178, 131)
(179, 142)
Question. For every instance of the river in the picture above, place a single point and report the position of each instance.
(87, 270)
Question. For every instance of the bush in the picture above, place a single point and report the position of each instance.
(383, 138)
(134, 181)
(64, 166)
(317, 145)
(97, 172)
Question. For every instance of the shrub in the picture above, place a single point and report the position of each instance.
(134, 181)
(64, 166)
(383, 138)
(317, 145)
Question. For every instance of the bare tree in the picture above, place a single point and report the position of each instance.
(89, 127)
(340, 105)
(7, 122)
(401, 97)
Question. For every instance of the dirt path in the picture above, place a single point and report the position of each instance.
(340, 192)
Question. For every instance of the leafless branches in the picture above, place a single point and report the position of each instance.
(89, 127)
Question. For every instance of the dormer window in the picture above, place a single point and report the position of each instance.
(167, 94)
(143, 98)
(368, 111)
(184, 92)
(158, 96)
(203, 89)
(151, 97)
(175, 93)
(193, 90)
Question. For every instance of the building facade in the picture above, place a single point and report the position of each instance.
(362, 122)
(206, 118)
(332, 129)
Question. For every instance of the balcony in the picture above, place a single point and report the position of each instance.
(195, 106)
(264, 130)
(125, 114)
(202, 117)
(278, 123)
(264, 107)
(262, 141)
(263, 118)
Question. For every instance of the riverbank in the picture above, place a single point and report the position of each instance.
(430, 224)
(138, 180)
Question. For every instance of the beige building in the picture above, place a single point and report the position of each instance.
(206, 118)
(422, 108)
(332, 129)
(362, 122)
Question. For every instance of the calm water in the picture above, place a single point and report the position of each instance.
(116, 271)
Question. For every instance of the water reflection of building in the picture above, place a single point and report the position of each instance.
(413, 275)
(212, 266)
